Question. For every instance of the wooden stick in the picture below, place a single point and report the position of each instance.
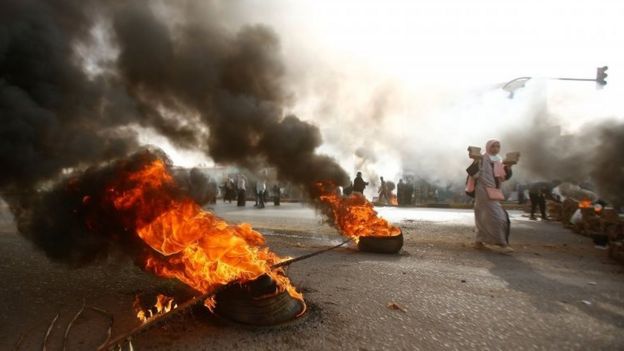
(70, 324)
(48, 332)
(159, 318)
(109, 332)
(196, 300)
(293, 260)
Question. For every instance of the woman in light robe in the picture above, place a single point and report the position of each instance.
(492, 221)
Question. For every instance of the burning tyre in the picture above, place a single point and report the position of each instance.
(381, 244)
(357, 219)
(258, 303)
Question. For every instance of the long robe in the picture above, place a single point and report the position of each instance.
(491, 219)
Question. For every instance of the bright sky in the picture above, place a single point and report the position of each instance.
(444, 61)
(454, 40)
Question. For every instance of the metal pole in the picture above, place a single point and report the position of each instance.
(577, 79)
(511, 91)
(552, 78)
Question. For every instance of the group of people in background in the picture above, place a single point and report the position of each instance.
(405, 190)
(236, 189)
(384, 193)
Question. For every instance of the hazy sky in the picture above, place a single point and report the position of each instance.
(452, 40)
(432, 69)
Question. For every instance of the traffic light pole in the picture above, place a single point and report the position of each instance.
(578, 79)
(527, 78)
(600, 79)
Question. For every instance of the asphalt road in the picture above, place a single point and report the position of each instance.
(556, 292)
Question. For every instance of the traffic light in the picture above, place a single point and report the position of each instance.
(601, 75)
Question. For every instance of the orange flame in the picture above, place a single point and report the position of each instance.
(585, 203)
(163, 305)
(353, 215)
(393, 200)
(189, 243)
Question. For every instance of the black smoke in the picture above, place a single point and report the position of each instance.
(179, 69)
(591, 156)
(51, 115)
(76, 223)
(232, 82)
(608, 163)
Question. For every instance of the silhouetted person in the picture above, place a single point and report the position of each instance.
(241, 185)
(260, 193)
(538, 192)
(277, 193)
(359, 184)
(383, 191)
(229, 190)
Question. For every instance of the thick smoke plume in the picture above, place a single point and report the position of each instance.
(53, 115)
(181, 69)
(76, 223)
(231, 83)
(592, 156)
(177, 69)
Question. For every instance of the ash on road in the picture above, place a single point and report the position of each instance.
(555, 292)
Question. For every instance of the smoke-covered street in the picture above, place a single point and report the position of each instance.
(146, 147)
(555, 292)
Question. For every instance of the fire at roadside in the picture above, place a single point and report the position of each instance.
(581, 211)
(353, 215)
(133, 205)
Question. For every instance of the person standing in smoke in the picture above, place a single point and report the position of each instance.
(276, 194)
(383, 192)
(241, 185)
(492, 221)
(260, 192)
(233, 189)
(538, 192)
(359, 184)
(255, 186)
(229, 190)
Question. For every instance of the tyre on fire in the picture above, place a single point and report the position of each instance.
(257, 303)
(381, 244)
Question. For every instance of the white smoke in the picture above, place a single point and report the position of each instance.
(402, 88)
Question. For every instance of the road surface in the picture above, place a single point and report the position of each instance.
(556, 292)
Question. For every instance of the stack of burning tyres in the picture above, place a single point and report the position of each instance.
(201, 250)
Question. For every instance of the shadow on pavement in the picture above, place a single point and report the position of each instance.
(549, 294)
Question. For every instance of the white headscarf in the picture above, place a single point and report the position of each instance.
(495, 158)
